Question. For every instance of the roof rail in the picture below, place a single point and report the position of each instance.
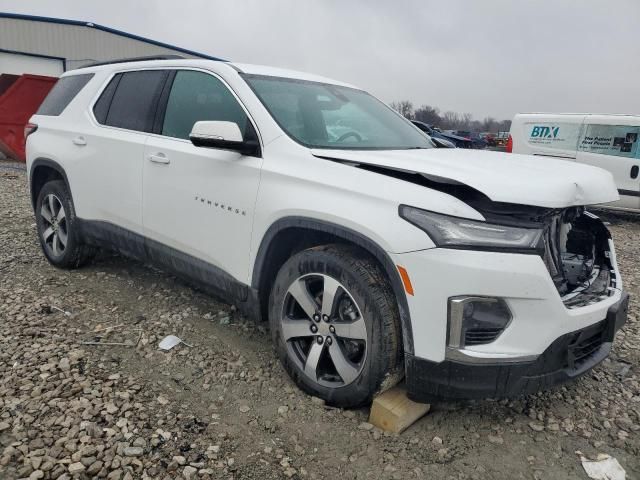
(135, 59)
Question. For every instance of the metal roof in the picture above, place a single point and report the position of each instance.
(78, 23)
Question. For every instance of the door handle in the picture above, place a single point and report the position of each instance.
(80, 141)
(634, 172)
(159, 158)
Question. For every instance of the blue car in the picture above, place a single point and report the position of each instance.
(476, 140)
(457, 141)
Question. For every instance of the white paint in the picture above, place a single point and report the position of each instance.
(501, 177)
(570, 144)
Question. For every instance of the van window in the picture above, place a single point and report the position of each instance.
(199, 96)
(62, 93)
(134, 100)
(616, 140)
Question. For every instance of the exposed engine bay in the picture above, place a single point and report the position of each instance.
(575, 246)
(578, 257)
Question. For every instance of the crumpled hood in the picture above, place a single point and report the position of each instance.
(503, 177)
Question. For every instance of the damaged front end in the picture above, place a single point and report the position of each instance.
(575, 246)
(579, 257)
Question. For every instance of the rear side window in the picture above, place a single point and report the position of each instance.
(62, 93)
(101, 108)
(130, 100)
(199, 96)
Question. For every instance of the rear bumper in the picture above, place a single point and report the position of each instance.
(568, 357)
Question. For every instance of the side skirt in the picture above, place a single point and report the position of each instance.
(200, 274)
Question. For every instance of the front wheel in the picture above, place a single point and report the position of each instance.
(335, 325)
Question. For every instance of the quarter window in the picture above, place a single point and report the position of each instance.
(62, 93)
(131, 99)
(197, 96)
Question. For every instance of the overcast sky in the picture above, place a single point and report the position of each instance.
(490, 57)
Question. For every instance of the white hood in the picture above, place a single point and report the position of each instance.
(503, 177)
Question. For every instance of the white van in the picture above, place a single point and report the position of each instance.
(606, 141)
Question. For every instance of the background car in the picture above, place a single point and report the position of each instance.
(456, 140)
(476, 139)
(490, 138)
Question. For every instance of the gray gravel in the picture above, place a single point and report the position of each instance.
(224, 408)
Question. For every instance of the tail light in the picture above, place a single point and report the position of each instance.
(29, 128)
(509, 148)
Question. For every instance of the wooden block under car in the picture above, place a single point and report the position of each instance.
(393, 412)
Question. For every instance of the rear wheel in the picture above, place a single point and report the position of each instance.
(335, 326)
(58, 229)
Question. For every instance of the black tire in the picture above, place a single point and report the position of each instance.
(75, 253)
(364, 282)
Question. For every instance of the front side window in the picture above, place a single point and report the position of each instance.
(131, 99)
(320, 115)
(197, 96)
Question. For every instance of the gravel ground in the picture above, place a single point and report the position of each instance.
(224, 408)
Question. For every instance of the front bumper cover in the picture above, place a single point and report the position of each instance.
(568, 357)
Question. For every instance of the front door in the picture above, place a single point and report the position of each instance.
(198, 203)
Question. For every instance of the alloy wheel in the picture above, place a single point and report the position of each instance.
(324, 330)
(54, 232)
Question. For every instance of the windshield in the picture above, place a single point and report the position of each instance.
(321, 115)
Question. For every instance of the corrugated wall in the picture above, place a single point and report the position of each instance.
(79, 45)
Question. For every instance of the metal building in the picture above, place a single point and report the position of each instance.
(51, 46)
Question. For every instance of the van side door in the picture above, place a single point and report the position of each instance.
(547, 135)
(612, 142)
(199, 202)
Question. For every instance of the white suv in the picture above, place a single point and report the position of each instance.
(309, 202)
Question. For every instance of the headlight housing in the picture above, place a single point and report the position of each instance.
(456, 232)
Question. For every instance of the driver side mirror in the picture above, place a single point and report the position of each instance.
(224, 135)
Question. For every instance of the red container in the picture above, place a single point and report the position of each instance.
(20, 97)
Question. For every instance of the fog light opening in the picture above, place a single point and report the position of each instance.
(476, 320)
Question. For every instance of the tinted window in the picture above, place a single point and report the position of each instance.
(198, 96)
(135, 100)
(62, 93)
(101, 108)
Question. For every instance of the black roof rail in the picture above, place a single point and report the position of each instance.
(135, 59)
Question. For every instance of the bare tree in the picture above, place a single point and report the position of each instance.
(504, 126)
(465, 121)
(428, 114)
(449, 120)
(404, 108)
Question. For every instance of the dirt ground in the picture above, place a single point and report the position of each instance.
(224, 408)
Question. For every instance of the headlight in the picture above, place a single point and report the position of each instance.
(454, 232)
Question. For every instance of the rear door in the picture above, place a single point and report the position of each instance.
(612, 142)
(111, 153)
(199, 201)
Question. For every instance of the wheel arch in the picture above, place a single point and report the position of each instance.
(314, 232)
(41, 171)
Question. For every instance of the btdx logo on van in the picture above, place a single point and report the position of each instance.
(540, 131)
